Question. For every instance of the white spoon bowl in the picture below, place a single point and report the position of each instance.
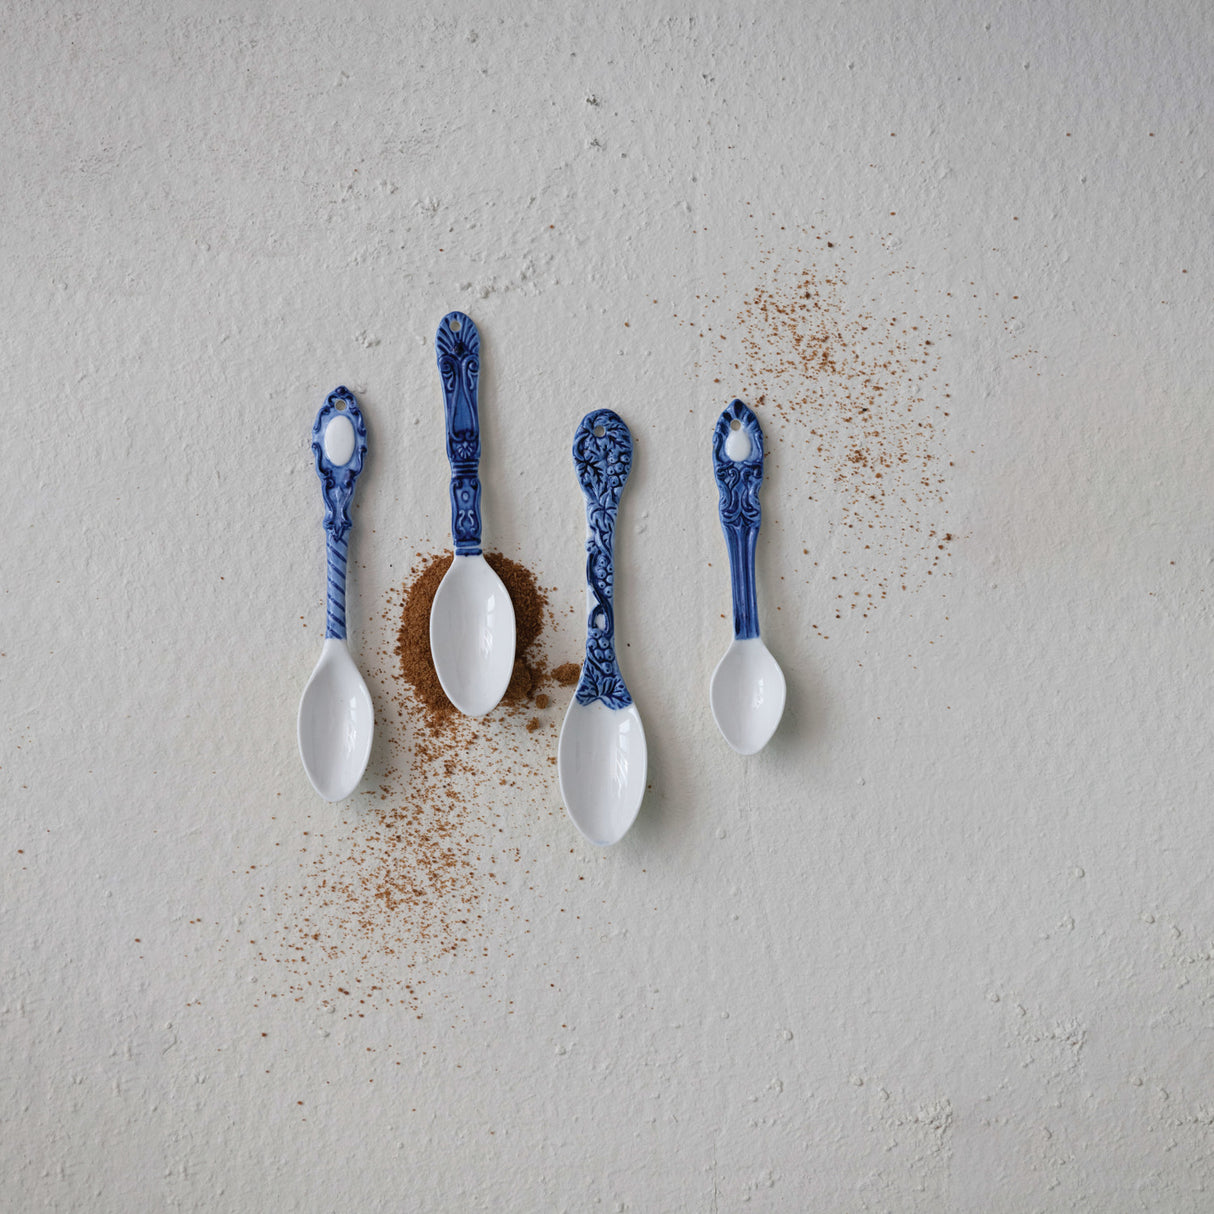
(336, 721)
(472, 635)
(747, 695)
(602, 763)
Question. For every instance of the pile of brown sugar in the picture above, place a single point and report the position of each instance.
(412, 650)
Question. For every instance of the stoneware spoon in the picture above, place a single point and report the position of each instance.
(601, 757)
(472, 617)
(747, 691)
(336, 718)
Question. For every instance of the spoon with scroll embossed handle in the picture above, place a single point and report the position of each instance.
(336, 718)
(747, 691)
(472, 617)
(601, 756)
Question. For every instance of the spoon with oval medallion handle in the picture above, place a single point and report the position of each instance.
(336, 718)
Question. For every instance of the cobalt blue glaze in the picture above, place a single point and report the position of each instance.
(458, 347)
(337, 486)
(602, 462)
(738, 482)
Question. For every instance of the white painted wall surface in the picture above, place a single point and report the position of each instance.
(946, 943)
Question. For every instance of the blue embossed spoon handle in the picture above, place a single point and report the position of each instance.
(737, 461)
(457, 346)
(602, 457)
(339, 446)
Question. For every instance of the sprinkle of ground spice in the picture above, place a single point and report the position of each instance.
(414, 876)
(851, 390)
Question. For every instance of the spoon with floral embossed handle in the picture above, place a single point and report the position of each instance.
(601, 756)
(336, 718)
(472, 617)
(747, 691)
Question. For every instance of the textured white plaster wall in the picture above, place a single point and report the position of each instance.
(947, 944)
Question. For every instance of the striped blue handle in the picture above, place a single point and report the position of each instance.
(335, 586)
(337, 486)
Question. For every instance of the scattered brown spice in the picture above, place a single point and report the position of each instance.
(849, 385)
(415, 875)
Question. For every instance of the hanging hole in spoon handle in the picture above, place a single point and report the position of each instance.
(737, 461)
(457, 346)
(339, 446)
(602, 458)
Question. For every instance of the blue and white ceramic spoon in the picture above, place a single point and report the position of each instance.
(336, 718)
(601, 756)
(747, 690)
(472, 617)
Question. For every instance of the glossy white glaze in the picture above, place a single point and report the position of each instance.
(336, 723)
(472, 635)
(339, 440)
(601, 765)
(747, 695)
